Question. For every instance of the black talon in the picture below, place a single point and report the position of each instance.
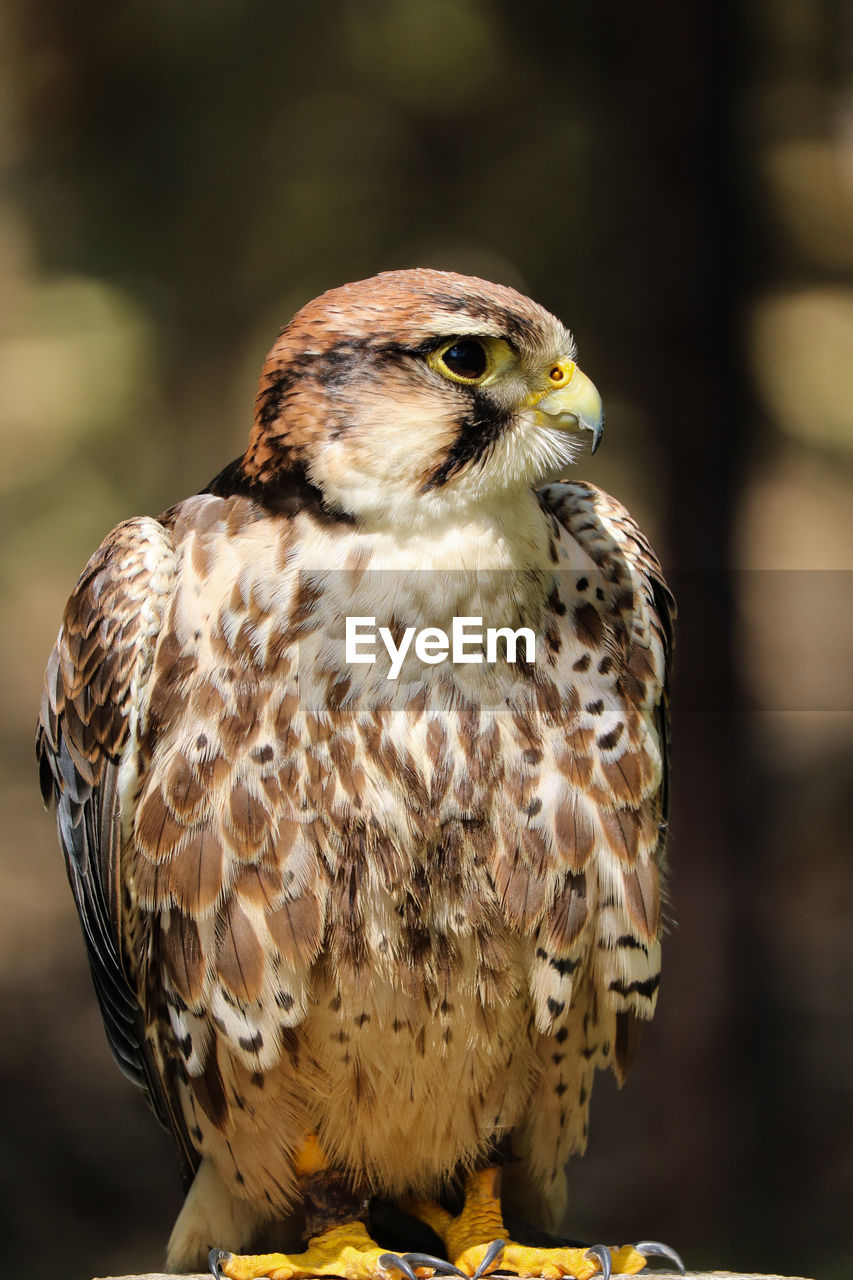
(440, 1265)
(601, 1252)
(654, 1249)
(494, 1251)
(213, 1260)
(393, 1262)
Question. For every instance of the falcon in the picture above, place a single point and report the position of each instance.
(365, 935)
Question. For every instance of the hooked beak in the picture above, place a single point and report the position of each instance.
(574, 405)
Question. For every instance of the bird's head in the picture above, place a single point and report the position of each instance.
(418, 390)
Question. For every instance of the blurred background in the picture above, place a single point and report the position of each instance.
(676, 182)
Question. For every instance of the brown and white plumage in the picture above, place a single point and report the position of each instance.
(412, 916)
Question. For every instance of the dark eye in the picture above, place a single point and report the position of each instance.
(466, 359)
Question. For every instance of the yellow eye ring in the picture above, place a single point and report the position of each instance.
(464, 360)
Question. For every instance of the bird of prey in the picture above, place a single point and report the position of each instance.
(365, 907)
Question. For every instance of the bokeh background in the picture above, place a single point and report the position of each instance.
(676, 182)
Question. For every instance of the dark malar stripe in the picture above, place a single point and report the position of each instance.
(478, 434)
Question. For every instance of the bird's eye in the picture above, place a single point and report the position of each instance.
(466, 360)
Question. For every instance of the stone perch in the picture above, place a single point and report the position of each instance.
(690, 1275)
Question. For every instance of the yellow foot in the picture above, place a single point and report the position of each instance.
(345, 1251)
(552, 1264)
(470, 1236)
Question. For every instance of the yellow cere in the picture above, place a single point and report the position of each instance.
(560, 374)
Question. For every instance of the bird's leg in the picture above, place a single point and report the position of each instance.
(338, 1240)
(472, 1238)
(338, 1243)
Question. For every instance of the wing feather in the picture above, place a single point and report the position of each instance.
(623, 618)
(595, 957)
(89, 717)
